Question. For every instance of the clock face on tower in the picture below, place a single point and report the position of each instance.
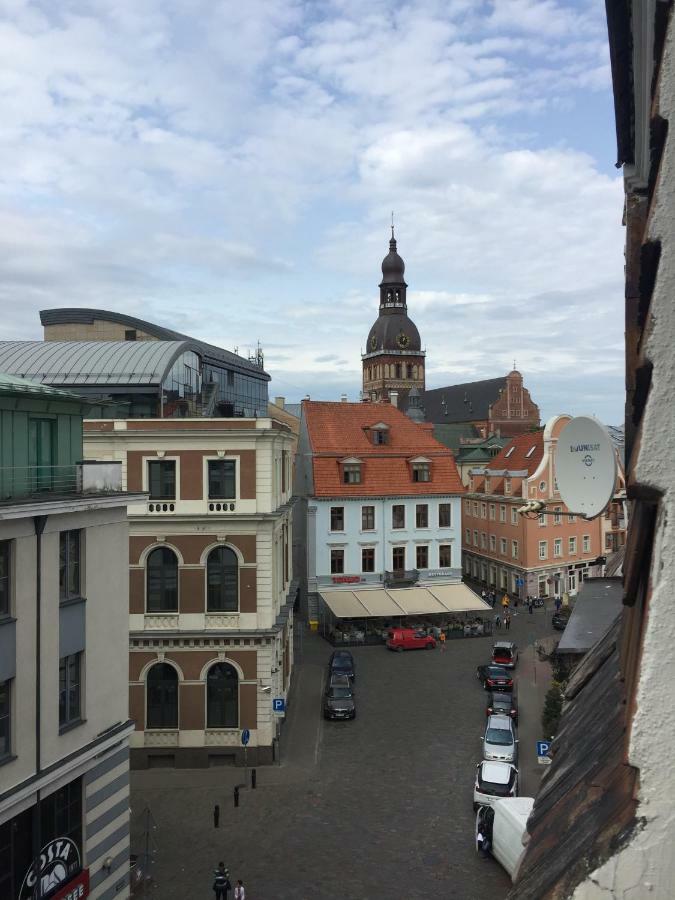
(373, 343)
(402, 340)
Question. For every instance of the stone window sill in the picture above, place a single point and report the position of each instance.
(70, 726)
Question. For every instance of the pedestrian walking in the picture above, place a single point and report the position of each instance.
(221, 882)
(507, 622)
(558, 604)
(483, 594)
(530, 607)
(505, 601)
(441, 638)
(498, 622)
(239, 891)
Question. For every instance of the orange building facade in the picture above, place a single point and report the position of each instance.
(543, 556)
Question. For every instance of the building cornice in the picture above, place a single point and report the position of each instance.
(81, 503)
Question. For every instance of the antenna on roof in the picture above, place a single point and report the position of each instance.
(257, 357)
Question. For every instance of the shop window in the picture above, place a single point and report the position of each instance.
(62, 815)
(222, 479)
(162, 696)
(5, 583)
(398, 516)
(337, 518)
(162, 581)
(162, 479)
(337, 562)
(444, 515)
(368, 559)
(70, 690)
(69, 564)
(367, 518)
(422, 515)
(398, 559)
(222, 696)
(222, 580)
(445, 556)
(5, 720)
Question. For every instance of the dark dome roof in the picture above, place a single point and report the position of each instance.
(387, 329)
(393, 267)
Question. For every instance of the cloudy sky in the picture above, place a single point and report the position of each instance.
(229, 169)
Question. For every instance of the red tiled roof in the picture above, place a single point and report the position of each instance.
(518, 460)
(339, 430)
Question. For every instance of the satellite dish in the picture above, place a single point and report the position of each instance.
(585, 466)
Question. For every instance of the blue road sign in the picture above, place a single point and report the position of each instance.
(520, 582)
(279, 705)
(542, 752)
(245, 736)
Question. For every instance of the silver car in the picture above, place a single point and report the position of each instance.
(499, 741)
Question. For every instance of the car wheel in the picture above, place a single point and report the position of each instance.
(399, 649)
(430, 646)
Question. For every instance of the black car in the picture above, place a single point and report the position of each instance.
(502, 704)
(342, 663)
(560, 620)
(495, 678)
(338, 703)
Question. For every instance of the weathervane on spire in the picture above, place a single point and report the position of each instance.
(392, 225)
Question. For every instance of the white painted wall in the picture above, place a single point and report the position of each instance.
(384, 537)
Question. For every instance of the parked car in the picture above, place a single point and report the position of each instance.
(505, 653)
(335, 679)
(342, 663)
(408, 639)
(502, 704)
(494, 780)
(495, 678)
(338, 703)
(499, 741)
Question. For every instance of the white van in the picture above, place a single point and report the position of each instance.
(494, 780)
(505, 824)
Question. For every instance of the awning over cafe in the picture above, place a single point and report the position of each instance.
(418, 600)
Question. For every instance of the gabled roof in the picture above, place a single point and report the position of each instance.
(523, 452)
(462, 402)
(80, 315)
(338, 430)
(90, 363)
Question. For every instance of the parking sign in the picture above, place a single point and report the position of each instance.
(279, 706)
(542, 753)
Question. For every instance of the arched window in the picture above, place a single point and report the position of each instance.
(408, 370)
(162, 696)
(222, 697)
(162, 574)
(398, 370)
(398, 296)
(222, 580)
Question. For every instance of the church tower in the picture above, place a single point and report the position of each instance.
(394, 359)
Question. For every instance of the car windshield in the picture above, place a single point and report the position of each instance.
(498, 790)
(502, 653)
(497, 672)
(502, 704)
(498, 736)
(342, 663)
(340, 693)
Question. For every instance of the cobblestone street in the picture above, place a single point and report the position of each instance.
(366, 810)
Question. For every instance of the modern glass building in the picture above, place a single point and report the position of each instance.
(143, 371)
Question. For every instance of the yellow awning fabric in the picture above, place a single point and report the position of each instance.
(417, 600)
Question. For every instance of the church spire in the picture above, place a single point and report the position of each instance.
(393, 286)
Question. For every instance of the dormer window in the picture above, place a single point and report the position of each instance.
(420, 469)
(379, 433)
(351, 470)
(487, 484)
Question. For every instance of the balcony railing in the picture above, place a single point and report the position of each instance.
(41, 482)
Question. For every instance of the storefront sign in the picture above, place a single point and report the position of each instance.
(347, 579)
(436, 573)
(59, 861)
(75, 889)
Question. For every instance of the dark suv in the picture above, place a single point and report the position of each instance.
(502, 704)
(338, 703)
(342, 663)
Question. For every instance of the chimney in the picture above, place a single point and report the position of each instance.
(393, 397)
(280, 401)
(343, 398)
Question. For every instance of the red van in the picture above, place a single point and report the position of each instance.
(408, 639)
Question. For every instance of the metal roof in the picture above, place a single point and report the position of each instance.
(92, 362)
(598, 603)
(211, 353)
(10, 384)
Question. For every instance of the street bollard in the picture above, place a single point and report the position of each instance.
(253, 778)
(216, 816)
(236, 796)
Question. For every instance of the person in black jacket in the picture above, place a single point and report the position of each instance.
(221, 882)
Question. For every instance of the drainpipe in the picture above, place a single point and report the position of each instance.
(39, 523)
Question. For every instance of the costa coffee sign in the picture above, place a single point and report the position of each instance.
(59, 862)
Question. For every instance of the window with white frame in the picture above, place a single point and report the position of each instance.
(493, 575)
(483, 540)
(502, 546)
(587, 543)
(543, 586)
(503, 579)
(493, 542)
(514, 515)
(571, 518)
(507, 485)
(475, 508)
(475, 538)
(398, 516)
(444, 515)
(572, 545)
(351, 473)
(557, 515)
(467, 565)
(337, 518)
(337, 561)
(492, 511)
(422, 515)
(422, 556)
(502, 513)
(467, 506)
(444, 556)
(487, 484)
(543, 549)
(483, 510)
(557, 547)
(572, 578)
(467, 535)
(541, 518)
(514, 549)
